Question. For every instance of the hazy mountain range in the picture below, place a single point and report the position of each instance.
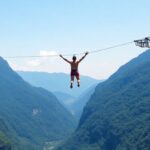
(58, 82)
(73, 104)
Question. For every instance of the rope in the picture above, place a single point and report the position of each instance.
(90, 52)
(112, 47)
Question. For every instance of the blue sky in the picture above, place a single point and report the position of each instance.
(34, 27)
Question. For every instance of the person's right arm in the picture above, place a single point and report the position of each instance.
(65, 59)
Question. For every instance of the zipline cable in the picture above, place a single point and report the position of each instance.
(112, 47)
(90, 52)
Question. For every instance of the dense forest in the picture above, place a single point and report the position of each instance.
(5, 142)
(118, 113)
(31, 116)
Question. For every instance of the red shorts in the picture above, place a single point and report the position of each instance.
(75, 73)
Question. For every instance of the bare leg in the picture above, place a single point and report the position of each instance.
(71, 82)
(78, 80)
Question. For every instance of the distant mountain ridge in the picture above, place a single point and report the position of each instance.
(57, 82)
(66, 100)
(82, 100)
(73, 104)
(117, 117)
(32, 115)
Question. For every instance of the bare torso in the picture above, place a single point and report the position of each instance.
(74, 65)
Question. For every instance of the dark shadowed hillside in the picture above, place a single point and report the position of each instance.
(32, 115)
(117, 117)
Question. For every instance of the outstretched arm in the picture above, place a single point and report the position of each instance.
(65, 59)
(83, 57)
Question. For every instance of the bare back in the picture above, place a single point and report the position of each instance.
(74, 65)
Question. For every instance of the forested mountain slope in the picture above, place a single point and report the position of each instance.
(117, 117)
(32, 115)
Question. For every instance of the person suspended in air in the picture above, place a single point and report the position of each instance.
(74, 68)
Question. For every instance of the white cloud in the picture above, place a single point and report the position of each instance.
(34, 63)
(48, 53)
(41, 62)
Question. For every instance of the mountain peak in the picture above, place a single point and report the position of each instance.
(4, 66)
(146, 53)
(2, 60)
(139, 60)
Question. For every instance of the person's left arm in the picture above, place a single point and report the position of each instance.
(83, 57)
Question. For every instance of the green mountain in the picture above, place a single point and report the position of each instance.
(73, 104)
(80, 103)
(73, 99)
(117, 117)
(66, 100)
(5, 143)
(32, 115)
(57, 82)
